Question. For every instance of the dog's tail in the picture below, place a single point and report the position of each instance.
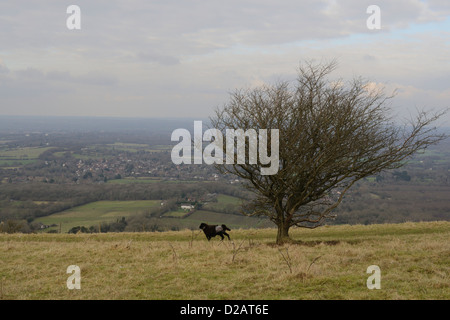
(225, 228)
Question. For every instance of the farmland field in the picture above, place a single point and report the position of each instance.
(326, 263)
(231, 220)
(134, 180)
(97, 212)
(223, 201)
(148, 180)
(109, 211)
(20, 156)
(23, 153)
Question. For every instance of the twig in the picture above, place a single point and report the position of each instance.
(315, 259)
(236, 251)
(193, 237)
(174, 254)
(129, 244)
(287, 259)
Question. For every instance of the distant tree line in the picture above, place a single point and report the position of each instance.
(22, 203)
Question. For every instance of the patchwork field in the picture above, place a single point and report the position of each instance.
(325, 263)
(97, 212)
(148, 180)
(20, 156)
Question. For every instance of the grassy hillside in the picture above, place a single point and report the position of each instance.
(326, 263)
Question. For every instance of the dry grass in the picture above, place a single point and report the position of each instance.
(328, 263)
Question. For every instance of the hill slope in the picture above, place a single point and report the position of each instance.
(328, 263)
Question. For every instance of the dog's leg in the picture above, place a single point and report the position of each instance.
(227, 235)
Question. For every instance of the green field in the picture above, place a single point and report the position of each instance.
(135, 180)
(326, 263)
(109, 211)
(15, 163)
(20, 156)
(231, 220)
(23, 153)
(176, 213)
(97, 212)
(223, 201)
(120, 146)
(145, 180)
(130, 147)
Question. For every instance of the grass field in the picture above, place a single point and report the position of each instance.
(134, 180)
(109, 211)
(231, 220)
(223, 200)
(326, 263)
(97, 212)
(13, 164)
(144, 180)
(20, 156)
(24, 153)
(131, 147)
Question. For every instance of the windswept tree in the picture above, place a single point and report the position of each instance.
(331, 134)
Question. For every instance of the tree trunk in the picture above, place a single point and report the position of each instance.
(283, 233)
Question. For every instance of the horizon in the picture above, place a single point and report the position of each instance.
(9, 123)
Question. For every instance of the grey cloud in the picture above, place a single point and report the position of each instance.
(180, 55)
(192, 27)
(87, 79)
(3, 69)
(162, 59)
(30, 73)
(369, 58)
(90, 78)
(34, 83)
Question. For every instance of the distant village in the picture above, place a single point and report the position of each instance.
(69, 167)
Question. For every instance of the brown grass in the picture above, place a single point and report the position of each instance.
(328, 263)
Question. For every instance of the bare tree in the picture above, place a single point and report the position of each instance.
(331, 135)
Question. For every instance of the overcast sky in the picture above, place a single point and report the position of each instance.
(147, 58)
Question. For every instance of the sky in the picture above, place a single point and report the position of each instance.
(148, 58)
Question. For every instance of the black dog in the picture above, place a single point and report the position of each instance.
(214, 230)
